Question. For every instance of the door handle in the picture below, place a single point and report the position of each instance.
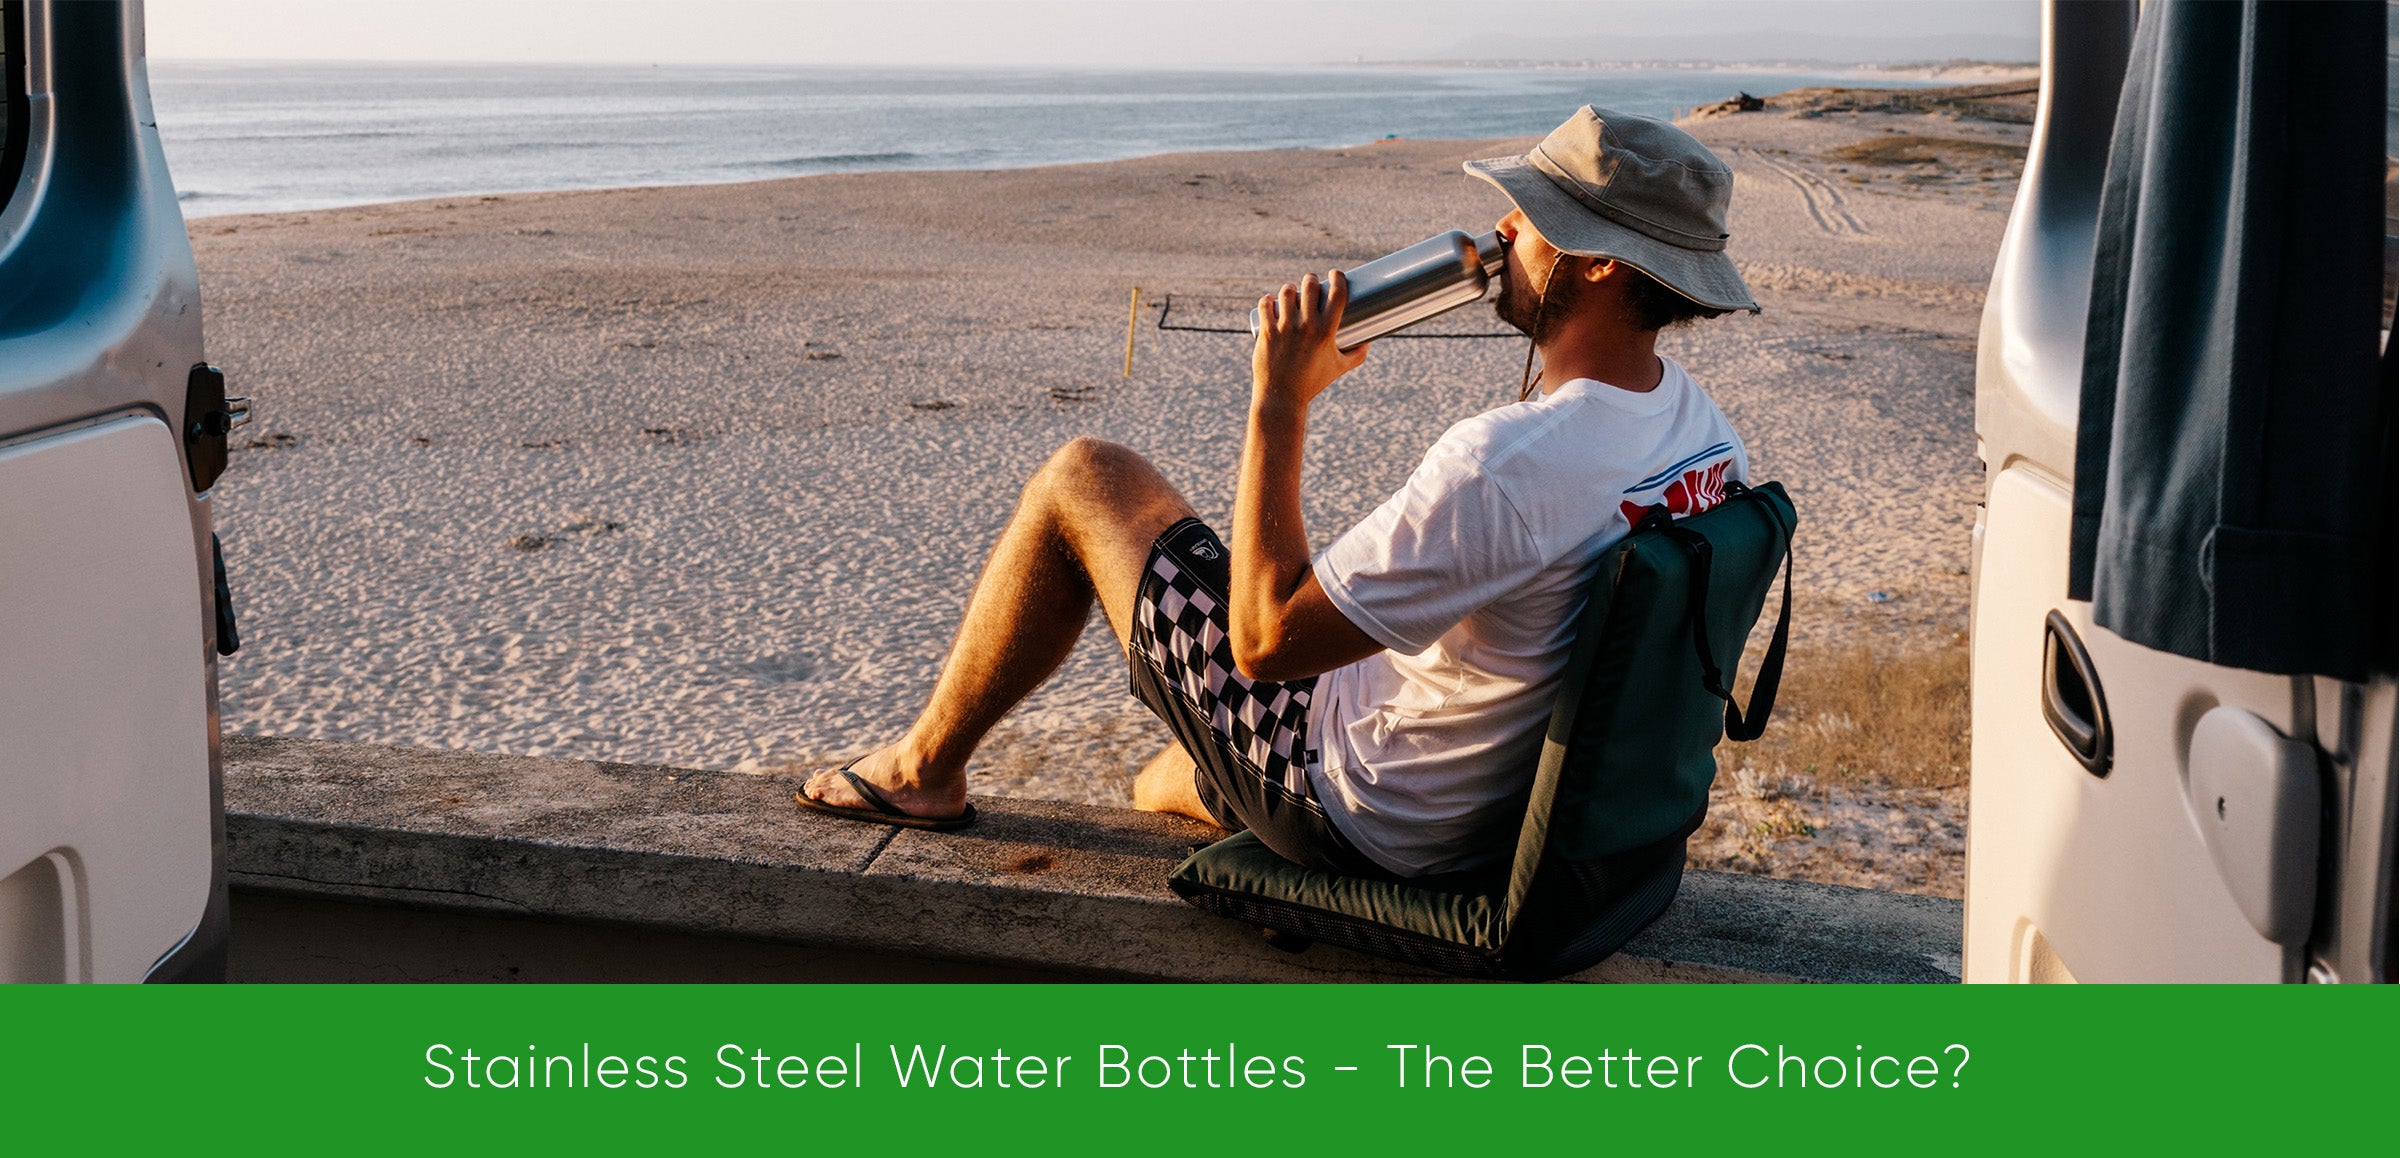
(2071, 699)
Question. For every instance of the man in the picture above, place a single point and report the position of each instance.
(1375, 711)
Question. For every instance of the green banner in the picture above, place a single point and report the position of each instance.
(1100, 1069)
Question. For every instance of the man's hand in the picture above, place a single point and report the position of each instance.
(1294, 358)
(1281, 622)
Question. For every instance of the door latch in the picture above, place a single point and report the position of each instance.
(208, 417)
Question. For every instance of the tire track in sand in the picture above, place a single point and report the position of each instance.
(1825, 203)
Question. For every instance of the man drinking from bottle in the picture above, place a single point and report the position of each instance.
(1374, 709)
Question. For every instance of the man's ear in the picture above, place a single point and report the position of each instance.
(1600, 269)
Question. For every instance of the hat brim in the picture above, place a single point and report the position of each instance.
(1705, 277)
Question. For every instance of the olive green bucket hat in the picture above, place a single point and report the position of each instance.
(1636, 189)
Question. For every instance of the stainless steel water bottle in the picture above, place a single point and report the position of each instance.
(1398, 290)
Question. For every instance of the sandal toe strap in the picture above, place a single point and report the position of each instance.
(868, 793)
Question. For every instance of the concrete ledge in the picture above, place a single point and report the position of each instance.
(1033, 884)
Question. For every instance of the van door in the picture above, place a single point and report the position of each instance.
(2135, 815)
(111, 832)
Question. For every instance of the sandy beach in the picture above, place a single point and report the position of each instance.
(701, 476)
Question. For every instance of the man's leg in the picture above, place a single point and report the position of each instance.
(1082, 530)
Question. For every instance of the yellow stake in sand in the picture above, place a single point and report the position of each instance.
(1133, 314)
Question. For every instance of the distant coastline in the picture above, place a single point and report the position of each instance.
(263, 137)
(1947, 71)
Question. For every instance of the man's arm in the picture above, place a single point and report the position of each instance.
(1283, 625)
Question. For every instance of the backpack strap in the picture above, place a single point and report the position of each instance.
(1739, 725)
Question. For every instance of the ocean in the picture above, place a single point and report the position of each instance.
(257, 137)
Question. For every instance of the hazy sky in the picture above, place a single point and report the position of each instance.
(1095, 33)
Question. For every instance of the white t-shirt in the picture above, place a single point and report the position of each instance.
(1472, 576)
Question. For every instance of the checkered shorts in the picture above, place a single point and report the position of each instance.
(1179, 633)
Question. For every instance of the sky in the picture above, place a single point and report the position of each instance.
(1091, 33)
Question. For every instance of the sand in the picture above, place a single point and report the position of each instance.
(702, 476)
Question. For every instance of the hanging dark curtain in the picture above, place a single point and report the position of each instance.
(2233, 472)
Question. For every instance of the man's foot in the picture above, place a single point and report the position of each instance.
(900, 788)
(1169, 783)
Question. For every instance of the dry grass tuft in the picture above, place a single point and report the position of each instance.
(1904, 149)
(1860, 779)
(1859, 714)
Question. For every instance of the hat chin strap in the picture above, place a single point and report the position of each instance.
(1533, 336)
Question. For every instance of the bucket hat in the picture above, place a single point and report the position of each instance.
(1632, 188)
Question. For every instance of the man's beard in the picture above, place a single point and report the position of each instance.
(1525, 310)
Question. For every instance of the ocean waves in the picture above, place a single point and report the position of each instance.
(829, 161)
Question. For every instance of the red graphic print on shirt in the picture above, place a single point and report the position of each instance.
(1696, 491)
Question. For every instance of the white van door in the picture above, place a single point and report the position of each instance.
(111, 833)
(2135, 815)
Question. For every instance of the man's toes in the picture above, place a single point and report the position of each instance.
(829, 788)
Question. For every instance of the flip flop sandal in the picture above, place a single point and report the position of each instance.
(883, 812)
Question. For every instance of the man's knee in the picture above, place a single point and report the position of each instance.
(1093, 476)
(1085, 464)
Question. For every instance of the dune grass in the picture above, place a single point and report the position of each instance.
(1861, 714)
(1907, 149)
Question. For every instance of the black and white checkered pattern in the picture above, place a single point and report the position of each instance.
(1179, 626)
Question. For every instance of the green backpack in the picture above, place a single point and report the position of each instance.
(1623, 778)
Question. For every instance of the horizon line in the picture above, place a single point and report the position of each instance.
(1454, 63)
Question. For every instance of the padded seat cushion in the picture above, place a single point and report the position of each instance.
(1450, 923)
